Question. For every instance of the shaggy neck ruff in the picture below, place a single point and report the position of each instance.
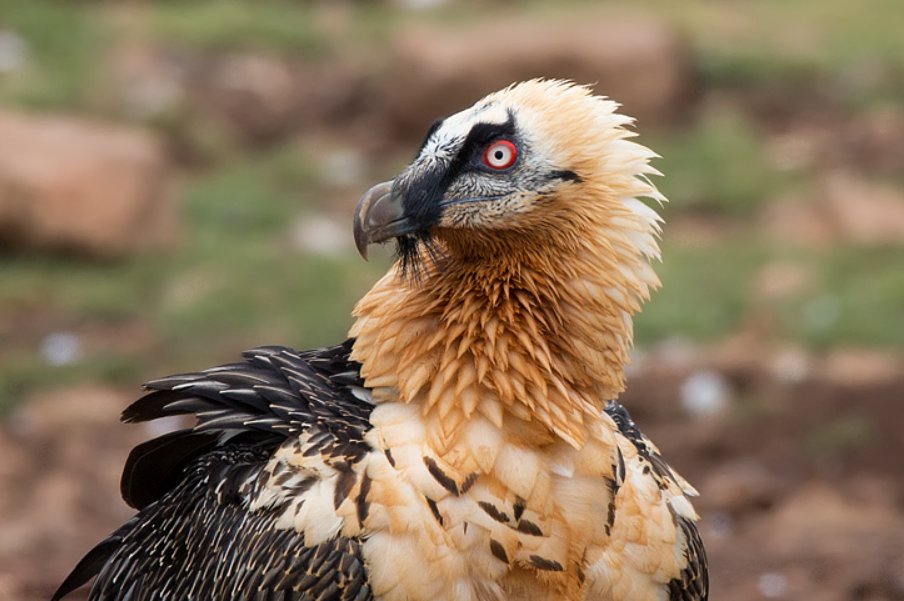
(529, 328)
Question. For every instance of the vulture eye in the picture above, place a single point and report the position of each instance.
(500, 155)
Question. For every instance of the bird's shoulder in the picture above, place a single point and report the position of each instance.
(228, 491)
(657, 496)
(650, 458)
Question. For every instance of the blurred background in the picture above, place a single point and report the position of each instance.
(177, 181)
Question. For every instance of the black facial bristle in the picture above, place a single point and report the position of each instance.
(414, 251)
(408, 256)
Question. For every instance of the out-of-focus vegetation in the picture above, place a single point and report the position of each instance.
(238, 280)
(234, 283)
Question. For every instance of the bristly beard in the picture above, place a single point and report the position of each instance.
(410, 252)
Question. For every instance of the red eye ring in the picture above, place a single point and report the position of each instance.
(500, 155)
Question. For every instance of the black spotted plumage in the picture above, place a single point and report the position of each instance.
(195, 536)
(693, 582)
(660, 469)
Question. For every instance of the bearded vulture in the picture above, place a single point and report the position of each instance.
(464, 443)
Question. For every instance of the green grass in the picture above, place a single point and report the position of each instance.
(841, 435)
(719, 165)
(280, 25)
(26, 373)
(855, 300)
(90, 290)
(775, 41)
(704, 292)
(247, 197)
(64, 41)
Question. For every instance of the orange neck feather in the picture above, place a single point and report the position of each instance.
(532, 334)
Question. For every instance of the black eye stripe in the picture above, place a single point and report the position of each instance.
(482, 134)
(422, 198)
(475, 143)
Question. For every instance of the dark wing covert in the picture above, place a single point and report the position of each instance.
(194, 535)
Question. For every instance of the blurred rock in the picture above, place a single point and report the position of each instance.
(821, 521)
(790, 365)
(860, 367)
(72, 409)
(676, 353)
(780, 280)
(864, 212)
(641, 63)
(321, 235)
(149, 82)
(419, 4)
(258, 94)
(83, 186)
(264, 98)
(9, 588)
(740, 486)
(741, 354)
(875, 140)
(870, 140)
(799, 146)
(705, 393)
(13, 459)
(773, 585)
(797, 221)
(13, 52)
(252, 97)
(843, 208)
(702, 231)
(60, 348)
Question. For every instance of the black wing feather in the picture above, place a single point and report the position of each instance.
(194, 535)
(275, 393)
(199, 541)
(155, 466)
(693, 585)
(88, 567)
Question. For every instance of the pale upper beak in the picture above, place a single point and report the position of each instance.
(379, 216)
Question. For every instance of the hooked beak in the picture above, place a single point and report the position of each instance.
(379, 216)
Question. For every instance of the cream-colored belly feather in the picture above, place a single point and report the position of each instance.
(516, 527)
